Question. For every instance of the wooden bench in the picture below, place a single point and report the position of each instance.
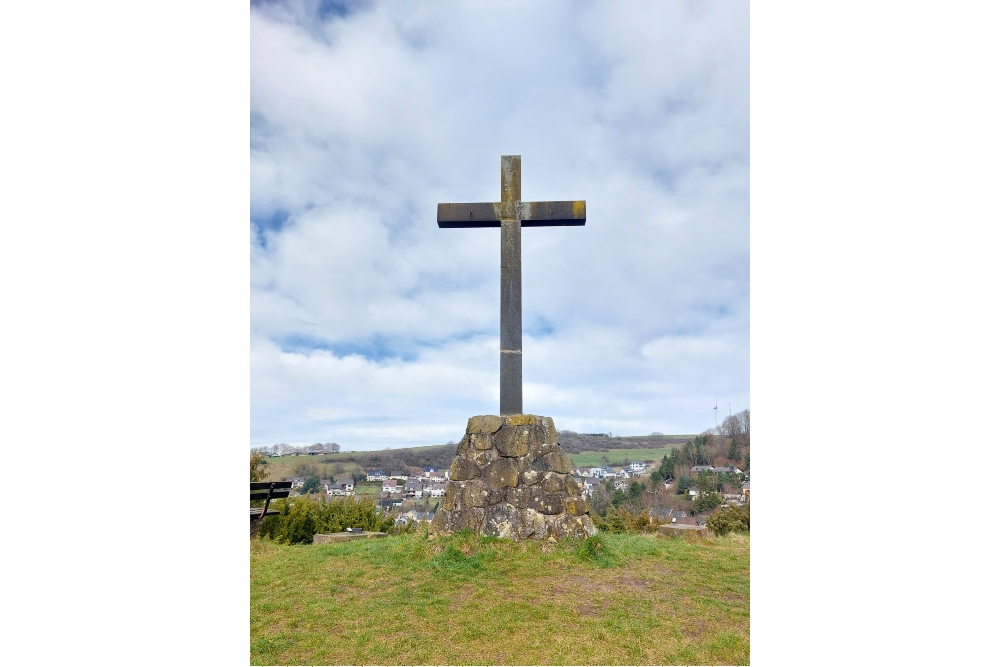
(267, 491)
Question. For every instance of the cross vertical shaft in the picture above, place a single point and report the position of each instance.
(511, 214)
(510, 286)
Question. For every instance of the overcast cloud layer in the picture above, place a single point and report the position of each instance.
(372, 327)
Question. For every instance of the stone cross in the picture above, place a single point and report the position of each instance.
(510, 214)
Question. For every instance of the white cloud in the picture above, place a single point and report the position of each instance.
(362, 309)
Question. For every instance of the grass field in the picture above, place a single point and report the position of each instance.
(617, 456)
(464, 599)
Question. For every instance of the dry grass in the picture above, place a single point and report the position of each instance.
(469, 600)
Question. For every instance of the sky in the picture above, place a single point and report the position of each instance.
(372, 328)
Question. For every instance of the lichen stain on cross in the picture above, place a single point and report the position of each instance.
(510, 214)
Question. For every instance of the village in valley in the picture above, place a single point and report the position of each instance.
(680, 483)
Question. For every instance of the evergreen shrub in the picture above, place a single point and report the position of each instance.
(730, 519)
(300, 518)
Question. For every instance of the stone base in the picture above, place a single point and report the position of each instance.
(685, 530)
(324, 538)
(510, 479)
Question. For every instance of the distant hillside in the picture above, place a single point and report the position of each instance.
(575, 443)
(440, 456)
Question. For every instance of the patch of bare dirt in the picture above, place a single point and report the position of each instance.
(635, 582)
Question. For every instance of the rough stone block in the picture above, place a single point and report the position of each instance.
(481, 441)
(484, 424)
(546, 503)
(530, 477)
(530, 524)
(500, 521)
(463, 469)
(572, 488)
(501, 473)
(453, 521)
(564, 525)
(519, 420)
(551, 434)
(553, 482)
(557, 461)
(483, 457)
(685, 530)
(576, 506)
(538, 450)
(512, 441)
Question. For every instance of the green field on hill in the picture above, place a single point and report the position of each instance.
(618, 456)
(463, 599)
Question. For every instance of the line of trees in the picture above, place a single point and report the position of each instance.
(282, 449)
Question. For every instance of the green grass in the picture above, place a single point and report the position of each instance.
(462, 599)
(616, 456)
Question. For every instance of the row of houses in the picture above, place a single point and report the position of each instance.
(607, 472)
(402, 475)
(342, 487)
(415, 487)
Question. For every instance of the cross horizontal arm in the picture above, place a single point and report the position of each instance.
(531, 214)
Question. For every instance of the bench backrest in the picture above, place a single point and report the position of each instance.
(269, 490)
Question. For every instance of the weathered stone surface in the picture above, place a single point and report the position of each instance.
(452, 494)
(463, 469)
(576, 506)
(557, 461)
(538, 450)
(467, 494)
(512, 441)
(483, 457)
(551, 434)
(522, 463)
(529, 477)
(553, 483)
(519, 497)
(453, 521)
(501, 473)
(481, 440)
(565, 525)
(500, 521)
(484, 424)
(509, 480)
(519, 420)
(531, 524)
(546, 503)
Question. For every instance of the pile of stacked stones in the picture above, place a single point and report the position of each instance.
(510, 479)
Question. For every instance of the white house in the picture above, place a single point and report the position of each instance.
(621, 485)
(389, 486)
(376, 475)
(623, 473)
(297, 482)
(345, 484)
(437, 490)
(637, 466)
